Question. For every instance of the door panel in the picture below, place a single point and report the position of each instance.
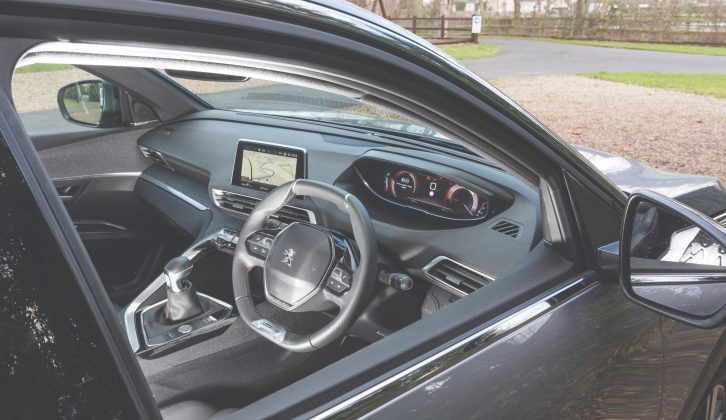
(595, 356)
(689, 364)
(101, 154)
(123, 237)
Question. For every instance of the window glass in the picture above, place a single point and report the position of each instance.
(35, 94)
(54, 362)
(274, 98)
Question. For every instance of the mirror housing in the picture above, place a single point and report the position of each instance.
(91, 103)
(673, 260)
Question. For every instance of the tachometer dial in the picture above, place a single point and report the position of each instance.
(462, 201)
(403, 184)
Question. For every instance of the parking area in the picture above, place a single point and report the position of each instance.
(673, 131)
(669, 130)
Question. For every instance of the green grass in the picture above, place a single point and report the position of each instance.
(702, 84)
(37, 68)
(674, 48)
(470, 51)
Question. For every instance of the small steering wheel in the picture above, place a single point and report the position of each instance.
(305, 267)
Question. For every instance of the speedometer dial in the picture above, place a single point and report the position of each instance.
(462, 201)
(403, 184)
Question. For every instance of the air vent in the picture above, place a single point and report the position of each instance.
(721, 219)
(507, 227)
(157, 157)
(244, 205)
(455, 277)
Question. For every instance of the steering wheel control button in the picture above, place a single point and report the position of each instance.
(259, 244)
(185, 329)
(270, 329)
(338, 281)
(336, 286)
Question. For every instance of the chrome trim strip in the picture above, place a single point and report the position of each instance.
(194, 252)
(646, 279)
(79, 222)
(77, 53)
(194, 203)
(102, 175)
(720, 219)
(445, 285)
(217, 192)
(397, 384)
(140, 123)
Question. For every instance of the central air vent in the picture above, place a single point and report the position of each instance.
(721, 219)
(506, 227)
(157, 157)
(243, 204)
(456, 277)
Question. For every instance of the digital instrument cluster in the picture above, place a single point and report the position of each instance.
(426, 191)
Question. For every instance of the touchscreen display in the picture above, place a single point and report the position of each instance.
(265, 167)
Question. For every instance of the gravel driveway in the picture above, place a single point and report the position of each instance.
(678, 132)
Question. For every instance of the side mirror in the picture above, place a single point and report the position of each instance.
(91, 103)
(673, 260)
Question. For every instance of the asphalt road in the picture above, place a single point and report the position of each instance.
(522, 57)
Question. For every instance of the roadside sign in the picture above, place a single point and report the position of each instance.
(476, 24)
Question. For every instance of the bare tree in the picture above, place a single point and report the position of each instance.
(517, 9)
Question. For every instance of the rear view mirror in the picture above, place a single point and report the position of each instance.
(673, 260)
(92, 103)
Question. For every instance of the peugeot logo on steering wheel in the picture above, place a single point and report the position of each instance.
(287, 257)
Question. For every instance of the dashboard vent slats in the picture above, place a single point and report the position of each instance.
(155, 156)
(506, 227)
(244, 205)
(456, 277)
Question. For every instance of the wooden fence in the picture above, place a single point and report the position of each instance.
(678, 29)
(439, 30)
(687, 29)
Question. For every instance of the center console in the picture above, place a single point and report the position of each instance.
(170, 313)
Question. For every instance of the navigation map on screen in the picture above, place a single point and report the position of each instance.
(268, 168)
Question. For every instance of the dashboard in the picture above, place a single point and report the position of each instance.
(424, 204)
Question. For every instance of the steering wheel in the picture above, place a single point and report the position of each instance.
(305, 267)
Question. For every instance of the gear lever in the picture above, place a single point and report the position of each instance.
(182, 300)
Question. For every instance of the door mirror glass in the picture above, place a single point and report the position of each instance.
(673, 260)
(92, 103)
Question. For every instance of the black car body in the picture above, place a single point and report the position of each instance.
(539, 326)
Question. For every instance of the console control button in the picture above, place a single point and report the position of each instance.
(185, 329)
